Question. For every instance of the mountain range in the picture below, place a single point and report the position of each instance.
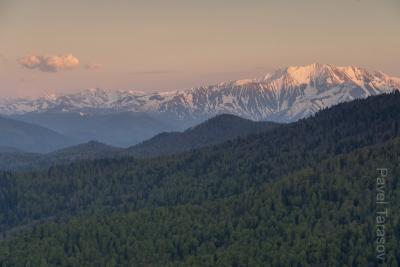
(125, 118)
(211, 132)
(300, 194)
(284, 95)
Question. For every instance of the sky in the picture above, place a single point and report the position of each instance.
(54, 46)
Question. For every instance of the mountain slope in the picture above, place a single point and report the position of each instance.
(302, 193)
(285, 95)
(321, 216)
(9, 149)
(205, 174)
(86, 151)
(126, 118)
(213, 131)
(122, 129)
(22, 161)
(30, 137)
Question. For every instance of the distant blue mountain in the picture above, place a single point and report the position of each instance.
(211, 132)
(122, 129)
(125, 118)
(30, 137)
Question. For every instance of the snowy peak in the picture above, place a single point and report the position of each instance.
(287, 94)
(319, 73)
(306, 74)
(244, 82)
(326, 76)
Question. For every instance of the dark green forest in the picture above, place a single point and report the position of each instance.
(302, 194)
(213, 131)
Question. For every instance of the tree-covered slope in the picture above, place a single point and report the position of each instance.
(321, 216)
(199, 175)
(213, 131)
(315, 170)
(23, 161)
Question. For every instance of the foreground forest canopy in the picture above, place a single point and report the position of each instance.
(302, 194)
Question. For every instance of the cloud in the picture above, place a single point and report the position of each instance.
(93, 66)
(49, 63)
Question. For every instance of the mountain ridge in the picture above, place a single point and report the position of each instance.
(285, 95)
(309, 182)
(30, 137)
(211, 132)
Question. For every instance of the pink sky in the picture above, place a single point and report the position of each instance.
(64, 46)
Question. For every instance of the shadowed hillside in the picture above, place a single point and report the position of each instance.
(301, 194)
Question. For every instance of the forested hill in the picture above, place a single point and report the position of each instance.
(213, 131)
(319, 216)
(302, 194)
(14, 160)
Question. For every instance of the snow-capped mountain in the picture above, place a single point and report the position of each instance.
(285, 95)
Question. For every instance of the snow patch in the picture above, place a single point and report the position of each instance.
(243, 82)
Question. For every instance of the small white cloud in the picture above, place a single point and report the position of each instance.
(49, 63)
(93, 66)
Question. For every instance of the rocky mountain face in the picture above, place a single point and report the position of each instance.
(286, 95)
